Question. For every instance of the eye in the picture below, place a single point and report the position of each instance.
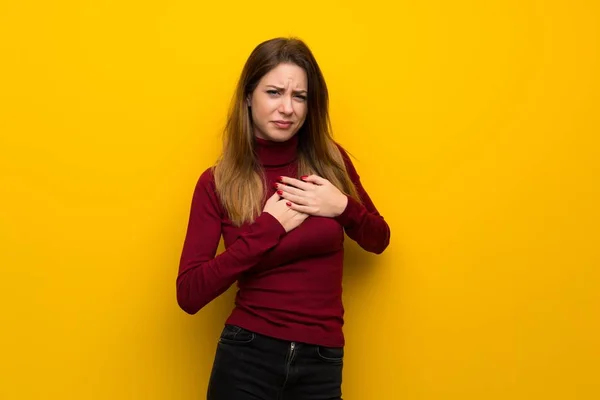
(301, 97)
(272, 92)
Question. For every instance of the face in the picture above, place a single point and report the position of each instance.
(278, 103)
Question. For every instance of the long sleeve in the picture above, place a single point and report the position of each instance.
(362, 222)
(202, 277)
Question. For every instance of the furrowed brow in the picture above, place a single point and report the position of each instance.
(300, 91)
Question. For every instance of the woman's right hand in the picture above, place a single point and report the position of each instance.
(278, 208)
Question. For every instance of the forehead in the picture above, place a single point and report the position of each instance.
(286, 75)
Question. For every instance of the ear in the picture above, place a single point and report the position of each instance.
(249, 100)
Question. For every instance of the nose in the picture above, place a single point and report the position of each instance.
(285, 107)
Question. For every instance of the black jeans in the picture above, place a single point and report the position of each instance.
(252, 366)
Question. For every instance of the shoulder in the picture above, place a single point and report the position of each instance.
(343, 151)
(205, 196)
(206, 182)
(347, 160)
(207, 176)
(345, 155)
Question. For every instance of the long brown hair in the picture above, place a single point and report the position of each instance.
(239, 177)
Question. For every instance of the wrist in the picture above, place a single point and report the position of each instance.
(342, 204)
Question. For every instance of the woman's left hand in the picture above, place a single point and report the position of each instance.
(313, 195)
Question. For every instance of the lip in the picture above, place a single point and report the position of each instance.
(283, 124)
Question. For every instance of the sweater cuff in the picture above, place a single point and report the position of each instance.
(269, 224)
(350, 214)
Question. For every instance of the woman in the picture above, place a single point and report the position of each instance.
(282, 195)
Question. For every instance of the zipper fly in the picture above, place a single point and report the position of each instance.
(290, 357)
(288, 367)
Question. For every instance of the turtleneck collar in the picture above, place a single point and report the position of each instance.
(275, 154)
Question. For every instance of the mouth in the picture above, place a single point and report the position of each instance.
(282, 124)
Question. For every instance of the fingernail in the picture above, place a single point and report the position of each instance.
(288, 204)
(280, 178)
(280, 192)
(303, 177)
(275, 185)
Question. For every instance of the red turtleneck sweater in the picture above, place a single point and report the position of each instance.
(289, 284)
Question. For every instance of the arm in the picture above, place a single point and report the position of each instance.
(362, 222)
(202, 277)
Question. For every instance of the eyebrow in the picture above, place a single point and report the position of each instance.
(280, 88)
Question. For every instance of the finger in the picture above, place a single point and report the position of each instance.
(301, 208)
(274, 198)
(288, 189)
(295, 198)
(316, 179)
(295, 182)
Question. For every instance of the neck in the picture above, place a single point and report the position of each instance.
(274, 154)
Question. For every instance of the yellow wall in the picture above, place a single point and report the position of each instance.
(475, 127)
